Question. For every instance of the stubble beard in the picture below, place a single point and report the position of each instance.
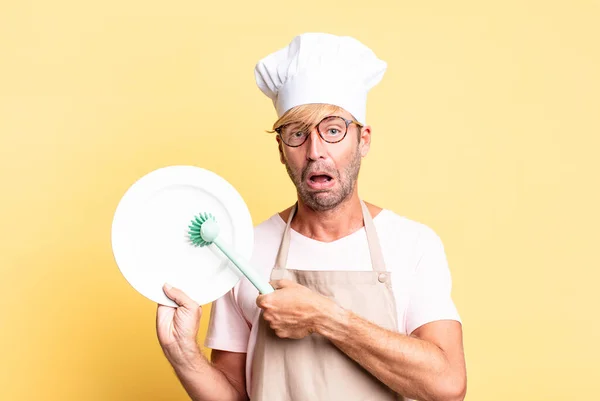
(326, 199)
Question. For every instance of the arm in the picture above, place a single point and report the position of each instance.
(223, 380)
(428, 365)
(177, 329)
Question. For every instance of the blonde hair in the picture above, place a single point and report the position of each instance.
(308, 115)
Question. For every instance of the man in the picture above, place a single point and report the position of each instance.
(362, 307)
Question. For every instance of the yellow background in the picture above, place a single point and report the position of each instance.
(485, 128)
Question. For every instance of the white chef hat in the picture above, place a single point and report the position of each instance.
(320, 68)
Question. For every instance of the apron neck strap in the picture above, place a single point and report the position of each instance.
(377, 261)
(373, 240)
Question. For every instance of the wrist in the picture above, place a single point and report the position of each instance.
(183, 355)
(333, 322)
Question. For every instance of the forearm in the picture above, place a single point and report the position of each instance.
(201, 380)
(412, 367)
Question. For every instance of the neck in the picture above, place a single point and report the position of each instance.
(329, 225)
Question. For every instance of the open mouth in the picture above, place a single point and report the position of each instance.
(320, 180)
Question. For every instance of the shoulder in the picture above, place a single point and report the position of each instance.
(271, 226)
(396, 223)
(410, 236)
(267, 237)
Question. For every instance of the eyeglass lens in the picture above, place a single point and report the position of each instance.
(332, 129)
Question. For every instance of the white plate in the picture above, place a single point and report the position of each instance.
(150, 234)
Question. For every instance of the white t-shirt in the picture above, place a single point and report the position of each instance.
(413, 253)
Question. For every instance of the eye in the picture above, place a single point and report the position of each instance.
(332, 127)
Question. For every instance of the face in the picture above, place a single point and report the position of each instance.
(325, 174)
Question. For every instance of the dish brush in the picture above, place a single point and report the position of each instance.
(204, 230)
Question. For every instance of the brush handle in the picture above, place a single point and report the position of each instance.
(262, 286)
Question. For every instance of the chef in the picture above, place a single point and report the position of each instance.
(362, 308)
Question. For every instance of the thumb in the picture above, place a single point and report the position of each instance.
(179, 297)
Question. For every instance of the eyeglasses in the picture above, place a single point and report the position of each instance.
(331, 129)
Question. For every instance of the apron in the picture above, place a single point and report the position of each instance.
(312, 368)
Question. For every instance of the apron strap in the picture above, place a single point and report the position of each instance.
(282, 255)
(377, 260)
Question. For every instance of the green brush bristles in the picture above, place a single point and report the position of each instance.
(196, 227)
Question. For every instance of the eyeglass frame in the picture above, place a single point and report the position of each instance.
(348, 122)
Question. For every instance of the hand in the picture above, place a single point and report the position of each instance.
(177, 327)
(294, 311)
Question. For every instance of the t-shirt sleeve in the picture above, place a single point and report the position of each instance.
(430, 299)
(227, 327)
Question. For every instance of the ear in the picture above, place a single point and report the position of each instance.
(365, 140)
(280, 147)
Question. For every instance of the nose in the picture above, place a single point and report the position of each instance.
(316, 146)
